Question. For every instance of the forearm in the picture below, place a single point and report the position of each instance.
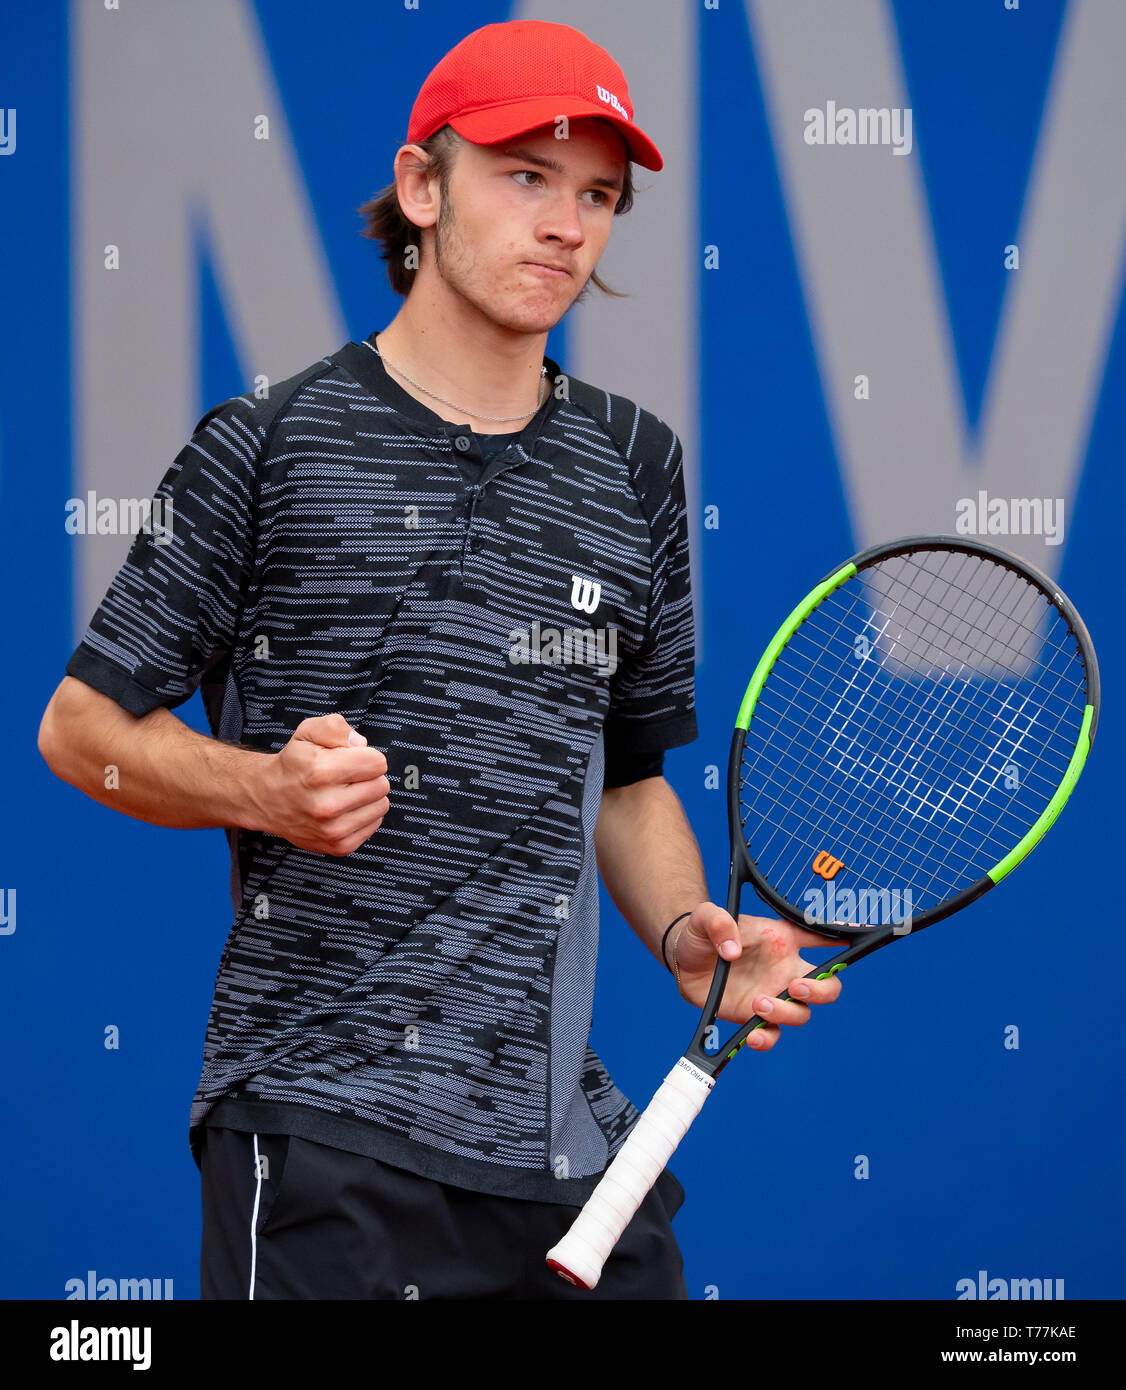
(153, 768)
(648, 857)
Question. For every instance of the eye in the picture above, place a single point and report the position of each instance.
(599, 193)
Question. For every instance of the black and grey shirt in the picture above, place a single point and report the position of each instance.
(495, 626)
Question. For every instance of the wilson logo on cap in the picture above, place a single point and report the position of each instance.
(611, 100)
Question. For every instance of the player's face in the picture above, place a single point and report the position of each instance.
(539, 203)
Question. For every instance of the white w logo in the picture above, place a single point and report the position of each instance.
(585, 594)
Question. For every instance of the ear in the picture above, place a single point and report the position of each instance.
(416, 186)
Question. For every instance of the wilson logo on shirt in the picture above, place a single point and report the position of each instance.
(585, 593)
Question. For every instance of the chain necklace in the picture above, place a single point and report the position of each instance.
(495, 419)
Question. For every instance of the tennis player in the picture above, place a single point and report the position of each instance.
(435, 595)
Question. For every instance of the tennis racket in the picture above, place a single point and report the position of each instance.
(910, 734)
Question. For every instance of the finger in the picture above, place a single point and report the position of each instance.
(802, 938)
(721, 929)
(329, 731)
(763, 1039)
(781, 1011)
(335, 766)
(354, 830)
(780, 939)
(356, 796)
(812, 991)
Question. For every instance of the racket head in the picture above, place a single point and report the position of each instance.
(910, 734)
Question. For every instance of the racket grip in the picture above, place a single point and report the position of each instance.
(585, 1248)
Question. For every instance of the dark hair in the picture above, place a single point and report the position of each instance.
(385, 221)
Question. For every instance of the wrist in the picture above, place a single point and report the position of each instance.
(665, 940)
(674, 952)
(253, 790)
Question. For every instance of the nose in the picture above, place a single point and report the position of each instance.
(562, 222)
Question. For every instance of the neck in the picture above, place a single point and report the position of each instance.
(447, 346)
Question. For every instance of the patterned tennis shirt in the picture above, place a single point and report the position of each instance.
(497, 615)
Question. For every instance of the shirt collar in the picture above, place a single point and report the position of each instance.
(367, 367)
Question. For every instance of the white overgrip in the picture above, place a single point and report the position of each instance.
(583, 1251)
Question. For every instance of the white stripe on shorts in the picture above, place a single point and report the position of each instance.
(254, 1217)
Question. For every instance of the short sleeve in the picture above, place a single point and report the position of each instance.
(652, 693)
(172, 610)
(623, 769)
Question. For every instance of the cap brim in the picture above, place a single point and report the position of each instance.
(497, 123)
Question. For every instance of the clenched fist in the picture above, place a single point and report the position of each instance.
(326, 790)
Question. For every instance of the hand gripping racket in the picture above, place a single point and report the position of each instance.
(909, 735)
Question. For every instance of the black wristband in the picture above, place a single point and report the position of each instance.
(665, 938)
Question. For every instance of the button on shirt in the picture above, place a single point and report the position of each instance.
(494, 617)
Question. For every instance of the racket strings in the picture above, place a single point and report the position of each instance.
(869, 851)
(878, 841)
(777, 754)
(870, 865)
(1043, 751)
(988, 640)
(1013, 731)
(991, 603)
(1053, 753)
(1044, 748)
(900, 753)
(895, 771)
(875, 667)
(844, 617)
(813, 711)
(943, 866)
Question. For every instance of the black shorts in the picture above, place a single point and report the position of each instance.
(324, 1223)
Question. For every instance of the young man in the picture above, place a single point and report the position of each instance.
(435, 594)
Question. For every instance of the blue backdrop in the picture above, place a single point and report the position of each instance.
(979, 1156)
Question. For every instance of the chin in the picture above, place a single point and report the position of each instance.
(529, 321)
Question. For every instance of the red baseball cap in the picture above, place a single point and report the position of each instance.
(505, 79)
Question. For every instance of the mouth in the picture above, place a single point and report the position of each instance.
(551, 270)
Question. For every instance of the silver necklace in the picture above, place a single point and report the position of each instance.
(495, 419)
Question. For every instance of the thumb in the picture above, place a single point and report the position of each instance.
(329, 731)
(721, 929)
